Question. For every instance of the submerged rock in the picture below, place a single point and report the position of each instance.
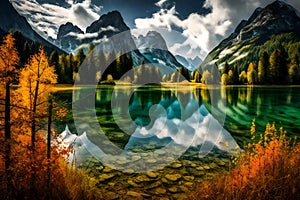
(134, 195)
(180, 196)
(111, 196)
(213, 165)
(175, 165)
(107, 170)
(206, 167)
(151, 161)
(153, 185)
(132, 183)
(173, 189)
(152, 174)
(188, 178)
(173, 177)
(160, 191)
(189, 184)
(142, 178)
(105, 177)
(184, 189)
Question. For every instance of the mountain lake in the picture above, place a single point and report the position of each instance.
(172, 124)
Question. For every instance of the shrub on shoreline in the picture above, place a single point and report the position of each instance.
(268, 168)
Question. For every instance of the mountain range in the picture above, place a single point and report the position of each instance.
(244, 45)
(71, 38)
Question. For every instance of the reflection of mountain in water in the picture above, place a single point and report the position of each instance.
(155, 116)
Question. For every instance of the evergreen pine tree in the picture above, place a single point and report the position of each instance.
(283, 65)
(235, 72)
(225, 69)
(274, 69)
(263, 66)
(294, 71)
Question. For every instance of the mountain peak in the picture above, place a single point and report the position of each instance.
(274, 19)
(113, 13)
(280, 7)
(66, 29)
(278, 4)
(111, 19)
(66, 36)
(152, 39)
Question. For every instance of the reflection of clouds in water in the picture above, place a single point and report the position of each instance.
(197, 123)
(198, 128)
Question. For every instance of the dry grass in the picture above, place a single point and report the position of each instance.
(80, 186)
(69, 184)
(269, 168)
(66, 183)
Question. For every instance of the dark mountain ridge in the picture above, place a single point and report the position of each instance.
(250, 35)
(12, 21)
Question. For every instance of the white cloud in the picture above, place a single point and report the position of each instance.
(95, 42)
(82, 36)
(200, 31)
(203, 32)
(80, 14)
(109, 28)
(164, 18)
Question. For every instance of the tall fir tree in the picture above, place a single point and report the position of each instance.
(235, 72)
(9, 59)
(263, 66)
(283, 63)
(294, 70)
(274, 68)
(225, 69)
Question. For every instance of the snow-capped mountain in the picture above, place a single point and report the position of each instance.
(67, 37)
(154, 48)
(71, 38)
(151, 48)
(189, 63)
(244, 43)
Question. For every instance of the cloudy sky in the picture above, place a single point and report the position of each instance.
(201, 23)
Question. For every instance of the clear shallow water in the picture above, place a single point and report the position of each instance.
(238, 105)
(264, 104)
(152, 117)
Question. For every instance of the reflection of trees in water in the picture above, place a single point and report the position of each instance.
(257, 99)
(266, 104)
(202, 95)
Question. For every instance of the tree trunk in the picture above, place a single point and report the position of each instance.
(49, 146)
(7, 139)
(33, 133)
